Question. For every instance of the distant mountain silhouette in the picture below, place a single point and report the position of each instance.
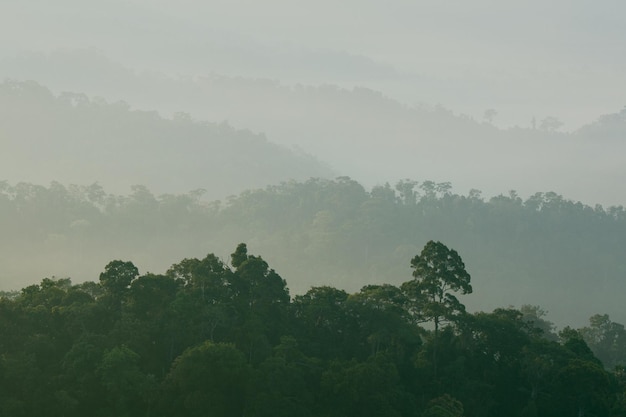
(361, 132)
(72, 138)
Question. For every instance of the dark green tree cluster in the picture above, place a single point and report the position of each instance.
(209, 338)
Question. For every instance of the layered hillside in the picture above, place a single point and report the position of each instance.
(72, 138)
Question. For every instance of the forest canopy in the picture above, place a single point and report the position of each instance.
(209, 337)
(330, 232)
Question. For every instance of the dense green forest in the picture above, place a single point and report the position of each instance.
(545, 250)
(226, 339)
(437, 192)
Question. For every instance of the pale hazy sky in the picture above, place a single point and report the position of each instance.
(533, 58)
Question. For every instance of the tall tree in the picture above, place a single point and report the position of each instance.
(438, 272)
(117, 277)
(116, 280)
(261, 299)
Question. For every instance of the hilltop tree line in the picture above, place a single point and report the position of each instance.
(227, 339)
(522, 250)
(174, 153)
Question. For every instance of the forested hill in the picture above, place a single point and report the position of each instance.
(226, 340)
(72, 138)
(545, 250)
(609, 127)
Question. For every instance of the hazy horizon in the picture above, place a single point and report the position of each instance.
(561, 59)
(276, 204)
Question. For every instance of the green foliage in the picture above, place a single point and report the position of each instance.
(209, 379)
(369, 388)
(535, 316)
(444, 406)
(438, 272)
(211, 339)
(125, 385)
(323, 323)
(117, 277)
(606, 339)
(281, 385)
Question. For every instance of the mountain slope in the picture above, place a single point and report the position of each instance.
(71, 138)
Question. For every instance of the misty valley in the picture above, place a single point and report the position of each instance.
(312, 209)
(538, 331)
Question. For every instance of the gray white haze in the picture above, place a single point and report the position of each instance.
(248, 62)
(486, 95)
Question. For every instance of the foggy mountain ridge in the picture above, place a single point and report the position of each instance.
(607, 127)
(81, 140)
(565, 61)
(136, 133)
(91, 72)
(361, 132)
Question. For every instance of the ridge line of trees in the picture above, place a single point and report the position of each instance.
(522, 250)
(210, 338)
